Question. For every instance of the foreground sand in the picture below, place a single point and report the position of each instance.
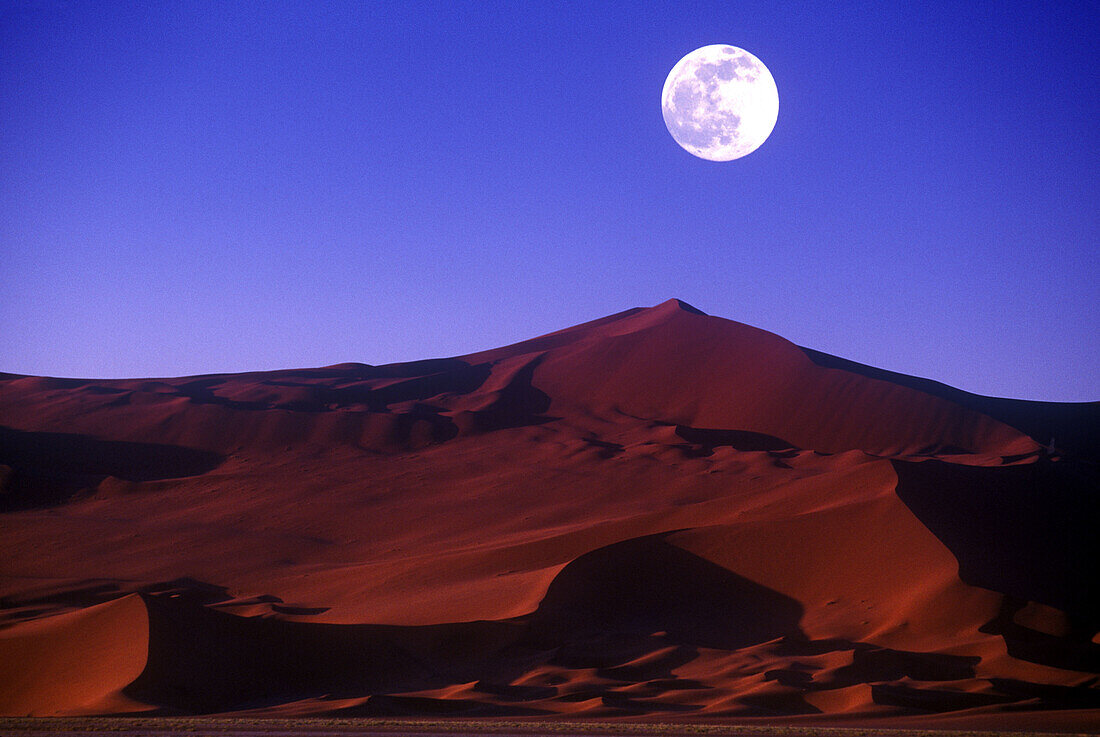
(660, 515)
(340, 726)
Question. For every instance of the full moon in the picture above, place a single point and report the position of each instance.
(720, 102)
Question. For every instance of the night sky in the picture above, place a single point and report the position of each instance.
(212, 187)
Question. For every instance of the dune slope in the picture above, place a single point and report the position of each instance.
(655, 515)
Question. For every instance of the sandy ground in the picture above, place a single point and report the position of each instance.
(659, 515)
(321, 728)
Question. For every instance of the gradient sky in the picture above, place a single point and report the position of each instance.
(199, 187)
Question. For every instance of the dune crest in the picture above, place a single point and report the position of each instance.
(658, 514)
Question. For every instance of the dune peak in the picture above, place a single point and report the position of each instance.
(677, 304)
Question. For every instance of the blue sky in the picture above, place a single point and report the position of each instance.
(198, 187)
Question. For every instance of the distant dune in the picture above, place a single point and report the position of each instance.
(658, 515)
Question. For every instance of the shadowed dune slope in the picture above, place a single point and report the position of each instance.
(1029, 531)
(655, 515)
(1073, 427)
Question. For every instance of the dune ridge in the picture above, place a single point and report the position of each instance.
(655, 515)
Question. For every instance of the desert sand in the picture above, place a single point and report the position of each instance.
(659, 515)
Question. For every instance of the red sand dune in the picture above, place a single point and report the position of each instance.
(657, 515)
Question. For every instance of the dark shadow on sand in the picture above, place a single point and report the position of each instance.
(49, 467)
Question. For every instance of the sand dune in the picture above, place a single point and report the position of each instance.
(657, 515)
(76, 662)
